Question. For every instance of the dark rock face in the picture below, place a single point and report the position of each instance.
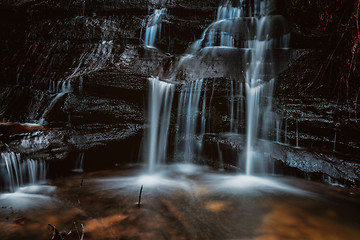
(99, 50)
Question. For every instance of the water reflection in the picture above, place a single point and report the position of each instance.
(183, 202)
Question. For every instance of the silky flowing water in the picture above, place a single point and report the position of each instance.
(181, 202)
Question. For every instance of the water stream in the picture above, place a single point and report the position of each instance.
(158, 117)
(17, 172)
(153, 27)
(188, 117)
(184, 201)
(247, 30)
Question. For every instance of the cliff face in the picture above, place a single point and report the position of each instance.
(81, 69)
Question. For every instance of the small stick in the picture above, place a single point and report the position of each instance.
(55, 231)
(139, 202)
(83, 232)
(82, 180)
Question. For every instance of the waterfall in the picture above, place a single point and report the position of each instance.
(227, 11)
(153, 27)
(278, 129)
(79, 163)
(16, 172)
(248, 30)
(260, 76)
(187, 120)
(159, 111)
(232, 106)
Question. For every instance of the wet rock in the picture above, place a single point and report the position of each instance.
(10, 128)
(320, 166)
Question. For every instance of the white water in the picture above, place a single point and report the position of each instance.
(188, 116)
(79, 163)
(50, 106)
(153, 27)
(260, 77)
(253, 34)
(159, 111)
(16, 172)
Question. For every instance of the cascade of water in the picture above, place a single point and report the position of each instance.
(258, 44)
(203, 113)
(253, 114)
(50, 106)
(278, 128)
(91, 60)
(159, 111)
(60, 86)
(79, 163)
(210, 103)
(153, 27)
(247, 30)
(227, 11)
(16, 172)
(188, 113)
(232, 106)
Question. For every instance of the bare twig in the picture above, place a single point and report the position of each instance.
(55, 232)
(141, 189)
(82, 180)
(83, 232)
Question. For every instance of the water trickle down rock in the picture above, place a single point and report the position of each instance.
(92, 59)
(16, 172)
(153, 27)
(250, 33)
